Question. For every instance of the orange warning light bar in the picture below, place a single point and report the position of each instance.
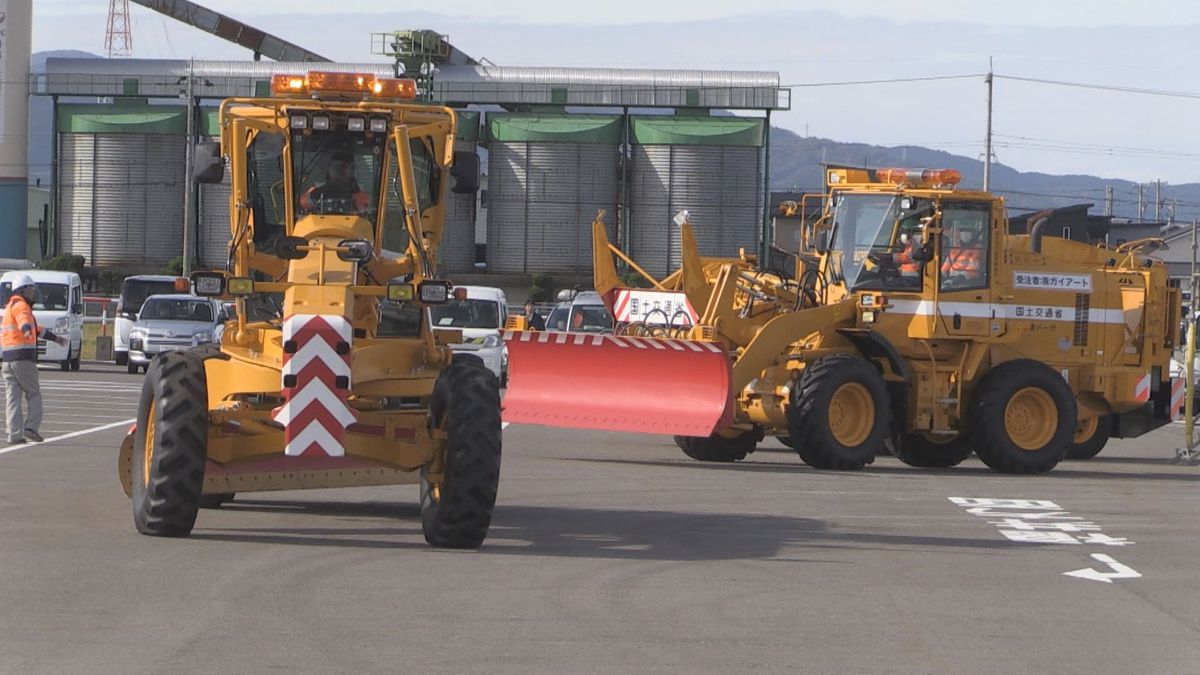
(319, 82)
(919, 176)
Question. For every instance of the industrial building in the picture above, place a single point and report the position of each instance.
(560, 144)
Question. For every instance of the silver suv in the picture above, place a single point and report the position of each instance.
(173, 322)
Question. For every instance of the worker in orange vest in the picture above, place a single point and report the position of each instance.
(909, 266)
(964, 262)
(19, 334)
(340, 192)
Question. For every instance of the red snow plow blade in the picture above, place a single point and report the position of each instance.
(617, 383)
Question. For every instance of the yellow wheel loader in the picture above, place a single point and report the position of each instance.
(911, 315)
(331, 375)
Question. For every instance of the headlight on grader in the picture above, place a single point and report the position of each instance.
(239, 286)
(208, 284)
(868, 316)
(434, 292)
(400, 292)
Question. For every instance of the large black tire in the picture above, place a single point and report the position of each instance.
(467, 404)
(121, 358)
(1022, 418)
(1090, 439)
(786, 440)
(173, 427)
(915, 449)
(717, 448)
(131, 367)
(839, 414)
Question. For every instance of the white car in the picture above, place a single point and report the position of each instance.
(480, 316)
(57, 305)
(134, 291)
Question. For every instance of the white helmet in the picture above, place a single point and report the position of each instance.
(20, 281)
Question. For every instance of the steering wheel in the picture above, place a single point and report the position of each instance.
(956, 281)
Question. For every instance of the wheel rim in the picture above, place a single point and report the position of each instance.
(148, 445)
(1031, 418)
(851, 414)
(1086, 429)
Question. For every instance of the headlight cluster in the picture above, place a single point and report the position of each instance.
(491, 341)
(62, 325)
(137, 333)
(203, 337)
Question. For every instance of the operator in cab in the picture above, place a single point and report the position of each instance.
(340, 193)
(963, 262)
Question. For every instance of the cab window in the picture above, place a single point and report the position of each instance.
(965, 245)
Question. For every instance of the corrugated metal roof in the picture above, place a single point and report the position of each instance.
(631, 87)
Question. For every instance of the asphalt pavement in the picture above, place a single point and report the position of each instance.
(608, 553)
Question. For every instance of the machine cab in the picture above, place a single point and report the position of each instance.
(921, 250)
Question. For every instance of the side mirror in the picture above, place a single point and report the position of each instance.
(822, 242)
(77, 308)
(465, 171)
(207, 164)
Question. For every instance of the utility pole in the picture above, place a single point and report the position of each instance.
(1141, 204)
(1158, 201)
(189, 186)
(1108, 201)
(987, 144)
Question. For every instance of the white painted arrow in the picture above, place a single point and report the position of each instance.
(1119, 571)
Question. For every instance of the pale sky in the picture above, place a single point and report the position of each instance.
(1055, 129)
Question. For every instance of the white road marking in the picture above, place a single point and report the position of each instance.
(1119, 571)
(64, 437)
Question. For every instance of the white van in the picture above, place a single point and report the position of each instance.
(480, 316)
(134, 291)
(57, 305)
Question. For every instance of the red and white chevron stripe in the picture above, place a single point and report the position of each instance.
(314, 413)
(1141, 391)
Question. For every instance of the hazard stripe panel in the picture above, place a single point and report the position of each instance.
(1178, 391)
(314, 414)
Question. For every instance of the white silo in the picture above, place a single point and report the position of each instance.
(16, 23)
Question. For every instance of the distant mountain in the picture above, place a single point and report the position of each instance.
(796, 164)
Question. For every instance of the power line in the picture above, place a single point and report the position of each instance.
(1104, 87)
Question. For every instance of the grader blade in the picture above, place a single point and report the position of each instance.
(617, 383)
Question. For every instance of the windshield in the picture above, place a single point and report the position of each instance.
(557, 320)
(135, 291)
(49, 296)
(466, 314)
(590, 319)
(337, 171)
(168, 309)
(877, 240)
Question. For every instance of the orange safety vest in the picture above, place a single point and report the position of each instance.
(361, 201)
(964, 261)
(18, 331)
(906, 261)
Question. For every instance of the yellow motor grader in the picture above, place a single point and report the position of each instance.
(910, 314)
(331, 375)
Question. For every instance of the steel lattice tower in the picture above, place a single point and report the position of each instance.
(118, 38)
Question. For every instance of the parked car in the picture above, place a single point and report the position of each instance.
(57, 305)
(580, 312)
(173, 322)
(480, 315)
(134, 291)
